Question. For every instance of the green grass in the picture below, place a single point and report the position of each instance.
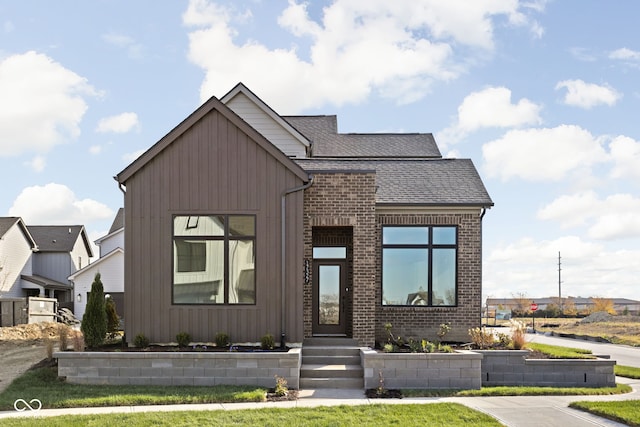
(436, 414)
(627, 412)
(558, 352)
(521, 391)
(43, 384)
(627, 371)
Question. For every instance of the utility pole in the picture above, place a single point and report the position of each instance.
(560, 284)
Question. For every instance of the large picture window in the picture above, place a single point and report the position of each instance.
(419, 265)
(214, 259)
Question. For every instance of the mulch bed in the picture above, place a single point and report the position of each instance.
(273, 397)
(374, 393)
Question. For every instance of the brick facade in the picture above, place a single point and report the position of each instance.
(339, 209)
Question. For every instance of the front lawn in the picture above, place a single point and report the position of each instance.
(43, 384)
(432, 414)
(627, 411)
(559, 352)
(521, 391)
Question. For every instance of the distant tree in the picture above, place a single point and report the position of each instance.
(94, 321)
(569, 308)
(523, 304)
(602, 304)
(113, 320)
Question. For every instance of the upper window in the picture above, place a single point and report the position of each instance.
(419, 266)
(214, 259)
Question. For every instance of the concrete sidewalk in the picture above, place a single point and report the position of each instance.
(517, 411)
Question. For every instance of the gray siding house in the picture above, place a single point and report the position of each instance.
(246, 222)
(36, 260)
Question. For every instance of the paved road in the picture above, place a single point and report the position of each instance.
(622, 354)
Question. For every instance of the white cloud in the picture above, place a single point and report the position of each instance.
(615, 217)
(95, 149)
(130, 157)
(490, 107)
(393, 49)
(588, 269)
(546, 154)
(134, 50)
(56, 204)
(625, 153)
(588, 95)
(42, 104)
(625, 54)
(37, 164)
(121, 123)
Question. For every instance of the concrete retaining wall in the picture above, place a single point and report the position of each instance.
(460, 370)
(180, 368)
(510, 368)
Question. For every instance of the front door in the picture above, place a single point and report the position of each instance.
(329, 282)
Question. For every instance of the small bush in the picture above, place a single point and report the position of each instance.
(267, 342)
(222, 340)
(428, 346)
(518, 334)
(388, 348)
(113, 320)
(78, 341)
(141, 341)
(445, 348)
(183, 339)
(281, 387)
(482, 337)
(445, 328)
(63, 336)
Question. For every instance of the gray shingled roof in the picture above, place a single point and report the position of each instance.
(118, 221)
(55, 238)
(322, 131)
(6, 222)
(426, 182)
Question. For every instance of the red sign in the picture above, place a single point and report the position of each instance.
(534, 306)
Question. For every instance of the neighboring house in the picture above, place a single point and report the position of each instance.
(16, 250)
(246, 222)
(110, 265)
(36, 260)
(62, 250)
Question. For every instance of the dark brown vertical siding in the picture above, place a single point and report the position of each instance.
(214, 167)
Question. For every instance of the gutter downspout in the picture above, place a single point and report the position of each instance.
(120, 186)
(283, 255)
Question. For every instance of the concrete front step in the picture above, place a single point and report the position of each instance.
(331, 351)
(329, 341)
(331, 360)
(331, 371)
(341, 383)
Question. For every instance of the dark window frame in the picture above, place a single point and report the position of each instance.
(226, 238)
(429, 246)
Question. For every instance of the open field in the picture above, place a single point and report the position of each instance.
(615, 329)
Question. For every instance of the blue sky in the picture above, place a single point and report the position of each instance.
(542, 95)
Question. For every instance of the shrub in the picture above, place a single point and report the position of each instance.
(63, 336)
(113, 320)
(78, 341)
(518, 334)
(222, 340)
(482, 337)
(141, 341)
(267, 342)
(183, 339)
(443, 331)
(281, 388)
(428, 346)
(94, 321)
(445, 348)
(388, 348)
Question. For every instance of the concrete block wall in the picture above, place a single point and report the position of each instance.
(180, 368)
(460, 370)
(510, 368)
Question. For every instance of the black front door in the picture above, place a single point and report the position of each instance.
(329, 282)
